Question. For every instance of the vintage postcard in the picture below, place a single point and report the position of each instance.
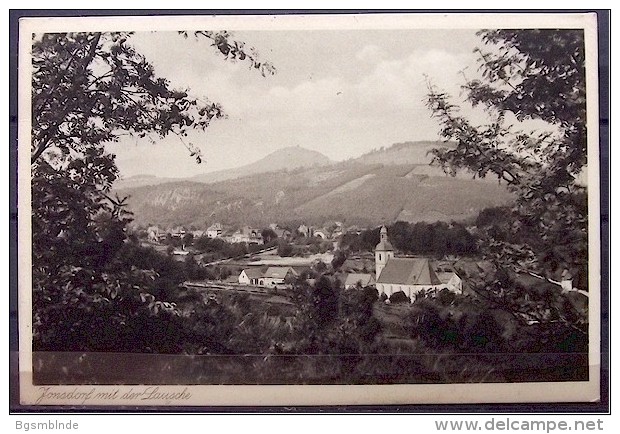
(283, 210)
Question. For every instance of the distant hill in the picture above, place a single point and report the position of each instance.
(141, 180)
(281, 159)
(352, 192)
(403, 153)
(417, 153)
(414, 153)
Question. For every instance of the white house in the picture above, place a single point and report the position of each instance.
(215, 230)
(177, 232)
(278, 275)
(274, 276)
(153, 234)
(449, 277)
(304, 230)
(451, 281)
(251, 276)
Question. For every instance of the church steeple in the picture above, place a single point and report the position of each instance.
(383, 252)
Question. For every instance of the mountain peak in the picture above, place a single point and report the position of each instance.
(294, 156)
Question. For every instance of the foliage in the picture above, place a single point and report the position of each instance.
(437, 239)
(463, 325)
(325, 300)
(285, 249)
(399, 297)
(268, 235)
(217, 248)
(194, 271)
(531, 74)
(528, 75)
(188, 239)
(339, 258)
(319, 267)
(92, 290)
(335, 322)
(365, 241)
(89, 88)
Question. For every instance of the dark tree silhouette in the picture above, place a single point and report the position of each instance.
(89, 89)
(528, 74)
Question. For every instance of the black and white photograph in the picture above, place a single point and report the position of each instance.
(387, 208)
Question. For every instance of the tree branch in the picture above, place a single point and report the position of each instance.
(43, 144)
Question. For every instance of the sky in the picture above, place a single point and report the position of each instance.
(339, 92)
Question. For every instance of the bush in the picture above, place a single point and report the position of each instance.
(399, 297)
(339, 258)
(369, 329)
(285, 249)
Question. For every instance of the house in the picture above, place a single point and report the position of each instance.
(154, 234)
(237, 237)
(215, 230)
(177, 232)
(451, 281)
(364, 280)
(252, 235)
(409, 275)
(283, 234)
(278, 275)
(449, 277)
(247, 235)
(197, 234)
(274, 276)
(251, 276)
(304, 230)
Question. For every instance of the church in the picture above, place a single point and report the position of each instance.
(409, 275)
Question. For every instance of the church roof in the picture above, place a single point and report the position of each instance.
(384, 245)
(408, 271)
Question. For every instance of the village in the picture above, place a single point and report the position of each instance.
(268, 262)
(277, 258)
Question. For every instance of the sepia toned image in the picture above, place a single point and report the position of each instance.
(334, 209)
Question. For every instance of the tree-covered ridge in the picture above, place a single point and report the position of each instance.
(365, 195)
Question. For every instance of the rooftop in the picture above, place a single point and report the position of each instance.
(409, 271)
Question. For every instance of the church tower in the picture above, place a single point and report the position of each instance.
(383, 252)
